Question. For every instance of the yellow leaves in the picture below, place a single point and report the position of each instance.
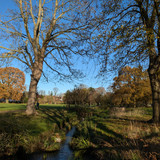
(131, 85)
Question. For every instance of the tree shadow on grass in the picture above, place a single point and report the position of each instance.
(134, 120)
(144, 146)
(55, 115)
(107, 130)
(52, 107)
(13, 123)
(108, 143)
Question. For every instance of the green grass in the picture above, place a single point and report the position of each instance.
(15, 106)
(36, 132)
(101, 135)
(11, 106)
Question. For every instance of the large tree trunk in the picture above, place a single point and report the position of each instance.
(32, 97)
(154, 64)
(35, 77)
(155, 87)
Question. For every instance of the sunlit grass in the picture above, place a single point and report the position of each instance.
(142, 113)
(12, 106)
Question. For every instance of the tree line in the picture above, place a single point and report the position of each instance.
(131, 88)
(83, 96)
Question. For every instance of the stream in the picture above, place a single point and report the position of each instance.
(65, 153)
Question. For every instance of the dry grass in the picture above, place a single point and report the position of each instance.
(124, 134)
(118, 112)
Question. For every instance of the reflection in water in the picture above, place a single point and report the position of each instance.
(65, 153)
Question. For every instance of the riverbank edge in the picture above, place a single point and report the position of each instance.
(26, 156)
(64, 127)
(20, 151)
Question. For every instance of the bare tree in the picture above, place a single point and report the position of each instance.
(129, 33)
(46, 33)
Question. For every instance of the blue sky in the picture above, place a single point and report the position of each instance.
(89, 69)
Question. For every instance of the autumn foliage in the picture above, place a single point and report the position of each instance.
(131, 87)
(11, 83)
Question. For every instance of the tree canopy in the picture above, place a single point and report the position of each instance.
(131, 87)
(12, 83)
(129, 33)
(126, 30)
(83, 96)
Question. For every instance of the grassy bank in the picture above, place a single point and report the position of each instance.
(42, 132)
(117, 134)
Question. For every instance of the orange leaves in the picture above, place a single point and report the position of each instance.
(12, 82)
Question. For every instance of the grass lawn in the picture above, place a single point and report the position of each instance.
(34, 133)
(11, 106)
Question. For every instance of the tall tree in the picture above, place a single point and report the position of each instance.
(68, 98)
(80, 95)
(46, 33)
(100, 92)
(131, 87)
(129, 32)
(91, 95)
(12, 82)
